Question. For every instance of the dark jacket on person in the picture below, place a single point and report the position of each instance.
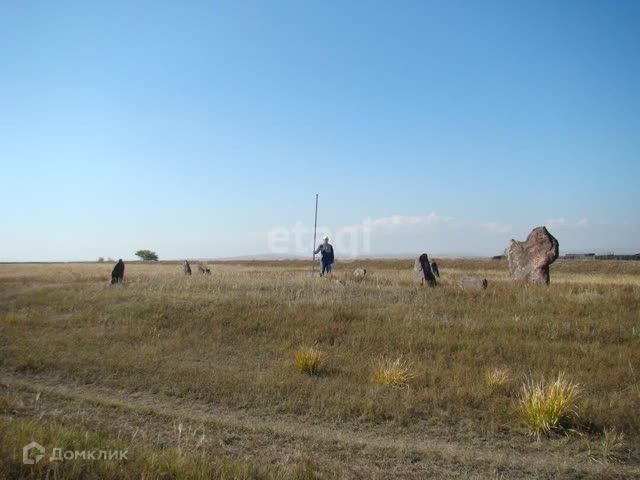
(326, 250)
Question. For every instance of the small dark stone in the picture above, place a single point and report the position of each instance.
(117, 274)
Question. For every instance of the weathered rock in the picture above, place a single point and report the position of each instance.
(529, 260)
(434, 269)
(473, 283)
(422, 271)
(117, 274)
(359, 273)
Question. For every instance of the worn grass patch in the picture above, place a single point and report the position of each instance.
(139, 462)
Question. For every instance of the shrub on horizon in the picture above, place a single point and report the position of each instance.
(147, 255)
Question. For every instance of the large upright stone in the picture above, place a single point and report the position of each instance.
(529, 260)
(186, 268)
(422, 271)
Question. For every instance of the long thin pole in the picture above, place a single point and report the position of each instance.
(315, 226)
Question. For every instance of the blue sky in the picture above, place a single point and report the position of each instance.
(197, 129)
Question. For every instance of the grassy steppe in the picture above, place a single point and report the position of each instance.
(228, 341)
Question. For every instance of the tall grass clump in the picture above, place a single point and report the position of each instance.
(609, 447)
(611, 443)
(497, 377)
(543, 405)
(390, 372)
(307, 360)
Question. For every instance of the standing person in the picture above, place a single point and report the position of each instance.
(186, 268)
(117, 274)
(326, 249)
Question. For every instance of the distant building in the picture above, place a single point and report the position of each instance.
(611, 256)
(605, 256)
(580, 256)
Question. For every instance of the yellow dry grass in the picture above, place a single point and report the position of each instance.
(227, 340)
(544, 404)
(393, 372)
(307, 360)
(497, 377)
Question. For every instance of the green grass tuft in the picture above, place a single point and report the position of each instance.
(393, 372)
(497, 377)
(307, 360)
(543, 405)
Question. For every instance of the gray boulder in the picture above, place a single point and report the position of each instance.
(359, 273)
(422, 271)
(529, 260)
(473, 283)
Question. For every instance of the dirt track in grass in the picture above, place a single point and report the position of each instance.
(346, 449)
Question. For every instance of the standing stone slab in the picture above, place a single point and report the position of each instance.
(422, 271)
(529, 260)
(434, 269)
(186, 268)
(117, 274)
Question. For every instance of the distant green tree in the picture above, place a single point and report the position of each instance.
(147, 255)
(100, 259)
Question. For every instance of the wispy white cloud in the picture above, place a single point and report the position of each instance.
(556, 222)
(495, 227)
(409, 221)
(431, 232)
(563, 222)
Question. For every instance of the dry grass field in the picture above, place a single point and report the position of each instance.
(261, 371)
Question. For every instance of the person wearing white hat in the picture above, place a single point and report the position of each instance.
(326, 259)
